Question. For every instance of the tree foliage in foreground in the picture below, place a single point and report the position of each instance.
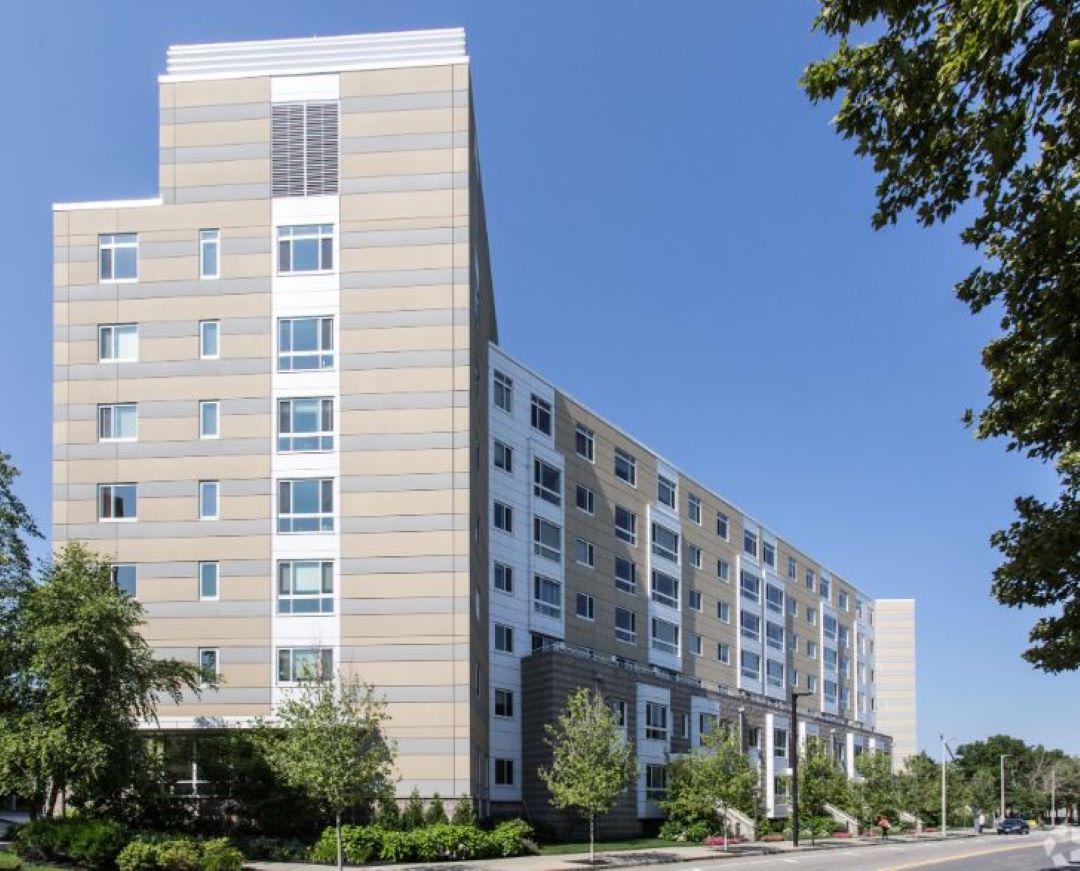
(83, 681)
(973, 104)
(327, 739)
(592, 762)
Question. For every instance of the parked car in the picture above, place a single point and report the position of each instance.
(1012, 826)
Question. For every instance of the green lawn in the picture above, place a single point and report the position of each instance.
(609, 846)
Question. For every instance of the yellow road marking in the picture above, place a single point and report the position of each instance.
(957, 856)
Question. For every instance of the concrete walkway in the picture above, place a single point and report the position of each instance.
(627, 858)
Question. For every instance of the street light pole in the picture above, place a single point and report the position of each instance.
(1001, 761)
(794, 752)
(944, 804)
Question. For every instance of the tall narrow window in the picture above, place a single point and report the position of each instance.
(540, 415)
(503, 391)
(666, 491)
(209, 339)
(125, 579)
(208, 580)
(625, 467)
(304, 148)
(118, 257)
(547, 539)
(305, 344)
(625, 524)
(209, 253)
(305, 425)
(208, 500)
(118, 343)
(208, 665)
(547, 596)
(547, 482)
(209, 419)
(305, 248)
(585, 442)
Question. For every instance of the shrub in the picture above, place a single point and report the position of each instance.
(178, 854)
(138, 856)
(435, 814)
(387, 813)
(10, 862)
(87, 842)
(413, 817)
(464, 815)
(264, 848)
(397, 847)
(220, 855)
(692, 832)
(512, 838)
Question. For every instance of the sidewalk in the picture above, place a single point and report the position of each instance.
(627, 858)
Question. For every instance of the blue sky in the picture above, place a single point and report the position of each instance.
(679, 240)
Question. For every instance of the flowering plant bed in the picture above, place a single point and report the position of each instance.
(721, 841)
(841, 834)
(774, 836)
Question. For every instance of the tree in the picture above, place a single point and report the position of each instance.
(413, 816)
(710, 780)
(971, 104)
(327, 740)
(876, 792)
(821, 782)
(464, 815)
(592, 762)
(84, 682)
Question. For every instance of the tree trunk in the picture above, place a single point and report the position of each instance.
(340, 857)
(50, 806)
(592, 838)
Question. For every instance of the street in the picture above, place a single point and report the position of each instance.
(1035, 852)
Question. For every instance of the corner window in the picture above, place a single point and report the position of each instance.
(117, 502)
(750, 542)
(768, 553)
(208, 500)
(208, 580)
(825, 587)
(209, 251)
(118, 257)
(118, 343)
(125, 579)
(666, 491)
(209, 419)
(625, 467)
(209, 340)
(306, 505)
(305, 248)
(305, 344)
(503, 391)
(305, 425)
(118, 423)
(305, 587)
(540, 415)
(585, 442)
(297, 664)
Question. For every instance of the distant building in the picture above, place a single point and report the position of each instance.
(896, 675)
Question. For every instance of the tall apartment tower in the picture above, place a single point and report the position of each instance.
(282, 413)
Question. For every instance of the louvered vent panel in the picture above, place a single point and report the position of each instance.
(321, 141)
(287, 150)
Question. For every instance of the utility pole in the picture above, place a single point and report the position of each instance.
(944, 804)
(1001, 761)
(1053, 796)
(794, 741)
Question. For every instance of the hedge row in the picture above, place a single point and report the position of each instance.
(90, 843)
(445, 842)
(180, 854)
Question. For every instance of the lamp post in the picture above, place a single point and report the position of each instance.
(794, 741)
(944, 805)
(1001, 762)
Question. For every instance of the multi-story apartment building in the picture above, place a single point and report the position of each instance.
(282, 411)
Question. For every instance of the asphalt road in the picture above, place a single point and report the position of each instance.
(1034, 852)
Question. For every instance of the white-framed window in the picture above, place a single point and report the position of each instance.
(305, 344)
(830, 692)
(625, 575)
(656, 721)
(656, 782)
(504, 703)
(547, 596)
(209, 419)
(684, 721)
(209, 580)
(118, 423)
(305, 248)
(825, 586)
(750, 586)
(665, 589)
(811, 615)
(547, 539)
(828, 627)
(792, 642)
(843, 635)
(665, 542)
(118, 257)
(618, 713)
(842, 600)
(584, 552)
(125, 578)
(625, 467)
(792, 607)
(209, 253)
(693, 508)
(693, 598)
(209, 500)
(792, 676)
(118, 502)
(723, 525)
(625, 625)
(811, 649)
(750, 625)
(502, 515)
(504, 772)
(502, 389)
(750, 665)
(305, 587)
(723, 652)
(585, 442)
(780, 742)
(768, 553)
(585, 606)
(208, 665)
(693, 553)
(774, 635)
(625, 525)
(209, 340)
(585, 499)
(664, 635)
(723, 570)
(118, 343)
(844, 666)
(723, 612)
(305, 425)
(666, 491)
(540, 414)
(295, 664)
(504, 638)
(792, 568)
(503, 577)
(812, 682)
(693, 644)
(774, 599)
(503, 456)
(547, 482)
(750, 542)
(306, 505)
